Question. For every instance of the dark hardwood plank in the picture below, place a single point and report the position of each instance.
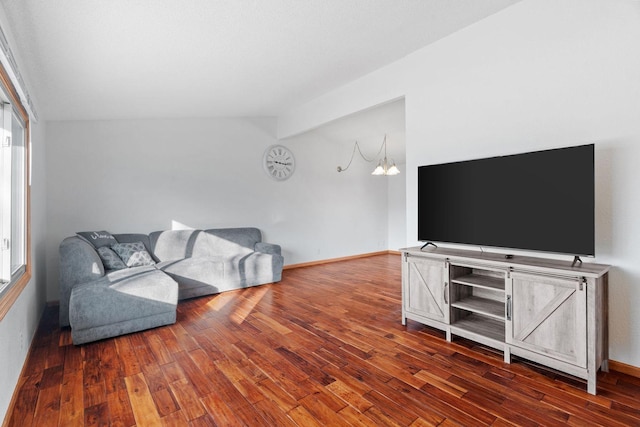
(47, 411)
(142, 404)
(323, 347)
(218, 409)
(97, 415)
(25, 406)
(72, 402)
(120, 408)
(188, 400)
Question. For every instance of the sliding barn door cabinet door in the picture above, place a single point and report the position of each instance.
(548, 316)
(425, 290)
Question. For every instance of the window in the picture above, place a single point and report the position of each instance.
(14, 196)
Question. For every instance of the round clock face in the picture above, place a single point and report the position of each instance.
(279, 162)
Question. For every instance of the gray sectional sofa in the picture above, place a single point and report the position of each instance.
(141, 284)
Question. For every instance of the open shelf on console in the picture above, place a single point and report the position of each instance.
(484, 306)
(478, 303)
(474, 324)
(481, 281)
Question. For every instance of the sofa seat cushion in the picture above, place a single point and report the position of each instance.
(194, 273)
(120, 296)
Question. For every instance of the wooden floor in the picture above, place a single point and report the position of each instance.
(323, 347)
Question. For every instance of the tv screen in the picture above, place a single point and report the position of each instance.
(540, 201)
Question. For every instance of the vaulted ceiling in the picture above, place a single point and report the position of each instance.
(99, 59)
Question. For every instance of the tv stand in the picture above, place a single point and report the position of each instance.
(576, 260)
(548, 311)
(428, 244)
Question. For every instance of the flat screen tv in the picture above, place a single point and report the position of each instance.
(538, 201)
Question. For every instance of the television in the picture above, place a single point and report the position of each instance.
(536, 201)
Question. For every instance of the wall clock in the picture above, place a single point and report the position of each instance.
(278, 162)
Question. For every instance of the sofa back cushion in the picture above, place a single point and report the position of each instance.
(233, 241)
(136, 237)
(178, 244)
(133, 254)
(98, 239)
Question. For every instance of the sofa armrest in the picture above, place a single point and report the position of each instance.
(268, 248)
(79, 263)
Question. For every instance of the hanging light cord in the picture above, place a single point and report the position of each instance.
(353, 153)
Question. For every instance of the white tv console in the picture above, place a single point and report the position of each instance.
(549, 311)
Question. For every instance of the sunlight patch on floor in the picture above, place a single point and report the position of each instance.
(221, 300)
(244, 309)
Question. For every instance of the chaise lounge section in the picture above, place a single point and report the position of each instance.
(99, 302)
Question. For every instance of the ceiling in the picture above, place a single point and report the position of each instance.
(124, 59)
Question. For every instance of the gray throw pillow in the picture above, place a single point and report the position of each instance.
(133, 254)
(110, 259)
(98, 238)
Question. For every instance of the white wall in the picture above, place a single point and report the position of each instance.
(540, 74)
(370, 128)
(146, 175)
(19, 325)
(21, 322)
(397, 208)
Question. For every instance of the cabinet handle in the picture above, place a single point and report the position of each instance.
(446, 293)
(508, 307)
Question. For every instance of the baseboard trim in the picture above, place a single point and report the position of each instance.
(332, 260)
(634, 371)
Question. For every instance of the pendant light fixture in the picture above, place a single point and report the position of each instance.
(384, 166)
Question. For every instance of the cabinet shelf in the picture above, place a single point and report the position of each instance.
(480, 325)
(478, 281)
(484, 306)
